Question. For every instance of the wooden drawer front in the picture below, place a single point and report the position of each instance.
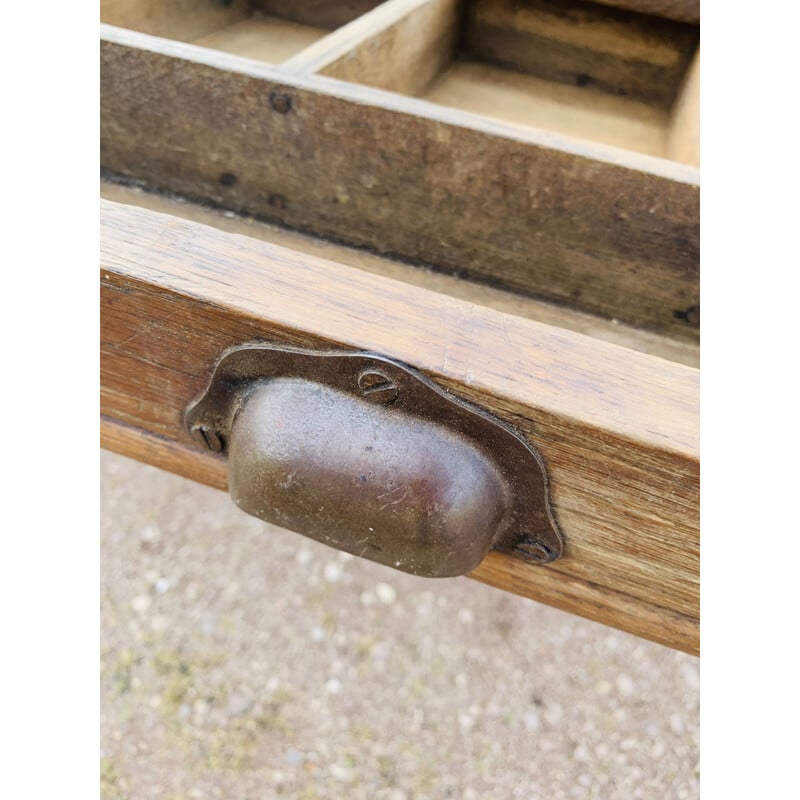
(521, 184)
(617, 429)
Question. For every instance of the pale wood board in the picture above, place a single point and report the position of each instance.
(400, 46)
(323, 13)
(682, 352)
(264, 38)
(683, 142)
(572, 111)
(617, 429)
(604, 230)
(182, 20)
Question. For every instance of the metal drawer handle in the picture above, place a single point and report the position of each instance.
(367, 455)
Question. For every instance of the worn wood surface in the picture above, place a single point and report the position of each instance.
(680, 351)
(322, 13)
(682, 10)
(617, 429)
(183, 20)
(408, 46)
(605, 231)
(582, 44)
(683, 143)
(557, 107)
(400, 46)
(551, 586)
(265, 38)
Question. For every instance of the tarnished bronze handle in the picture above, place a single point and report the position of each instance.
(369, 456)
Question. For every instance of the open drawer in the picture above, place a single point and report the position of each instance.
(409, 179)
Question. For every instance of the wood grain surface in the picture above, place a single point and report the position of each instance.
(182, 20)
(323, 13)
(557, 107)
(655, 344)
(683, 10)
(264, 38)
(618, 429)
(408, 46)
(601, 229)
(582, 44)
(401, 46)
(683, 143)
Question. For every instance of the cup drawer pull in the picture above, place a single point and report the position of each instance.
(369, 456)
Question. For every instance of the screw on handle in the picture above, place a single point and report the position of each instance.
(531, 550)
(377, 386)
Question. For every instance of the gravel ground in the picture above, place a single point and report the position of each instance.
(242, 661)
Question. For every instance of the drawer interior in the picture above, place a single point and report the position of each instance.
(584, 70)
(371, 147)
(262, 29)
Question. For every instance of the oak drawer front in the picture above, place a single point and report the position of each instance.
(616, 428)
